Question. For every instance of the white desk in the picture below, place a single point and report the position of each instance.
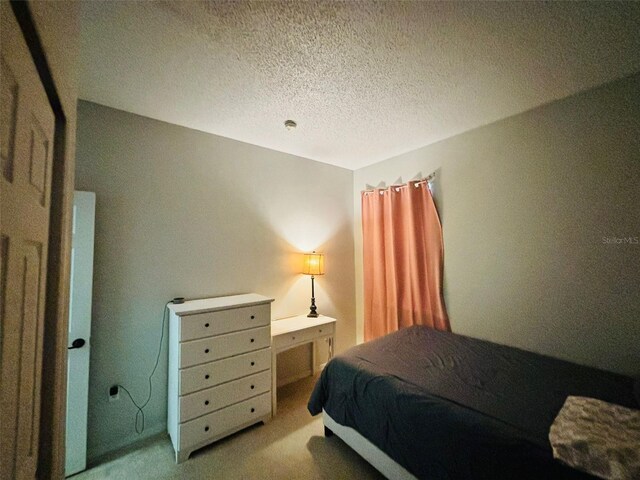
(295, 331)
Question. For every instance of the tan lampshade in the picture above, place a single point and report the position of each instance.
(313, 264)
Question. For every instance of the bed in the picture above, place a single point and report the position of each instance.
(420, 403)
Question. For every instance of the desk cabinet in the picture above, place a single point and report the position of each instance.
(219, 369)
(291, 332)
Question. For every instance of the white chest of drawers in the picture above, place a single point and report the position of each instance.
(219, 369)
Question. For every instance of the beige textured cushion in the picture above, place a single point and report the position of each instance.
(597, 437)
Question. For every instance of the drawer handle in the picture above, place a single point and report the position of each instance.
(253, 410)
(206, 402)
(253, 363)
(320, 330)
(206, 350)
(206, 377)
(252, 340)
(293, 338)
(206, 429)
(206, 325)
(252, 317)
(252, 387)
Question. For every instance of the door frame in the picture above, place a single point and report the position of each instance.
(51, 456)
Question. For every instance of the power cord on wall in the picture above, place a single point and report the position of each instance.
(139, 423)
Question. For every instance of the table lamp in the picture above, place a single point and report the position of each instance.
(313, 264)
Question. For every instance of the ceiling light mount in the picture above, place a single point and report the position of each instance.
(290, 124)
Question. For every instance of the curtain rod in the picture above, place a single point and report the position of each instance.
(426, 179)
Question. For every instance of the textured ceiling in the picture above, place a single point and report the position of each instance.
(364, 80)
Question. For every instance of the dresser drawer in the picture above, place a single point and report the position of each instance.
(222, 421)
(214, 348)
(223, 321)
(221, 371)
(205, 401)
(306, 335)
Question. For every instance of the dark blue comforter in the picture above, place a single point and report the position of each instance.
(445, 406)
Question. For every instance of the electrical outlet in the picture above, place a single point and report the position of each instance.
(114, 393)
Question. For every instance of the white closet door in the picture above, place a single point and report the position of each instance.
(84, 206)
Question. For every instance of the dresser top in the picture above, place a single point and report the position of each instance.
(191, 307)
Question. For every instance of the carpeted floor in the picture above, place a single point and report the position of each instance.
(291, 446)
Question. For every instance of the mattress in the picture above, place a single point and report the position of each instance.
(446, 406)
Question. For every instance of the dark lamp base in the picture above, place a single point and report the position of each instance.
(313, 313)
(313, 309)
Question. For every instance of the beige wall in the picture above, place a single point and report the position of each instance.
(185, 213)
(527, 204)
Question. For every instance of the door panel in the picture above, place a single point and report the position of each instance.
(38, 159)
(25, 189)
(9, 116)
(30, 358)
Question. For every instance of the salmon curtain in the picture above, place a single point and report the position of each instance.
(403, 260)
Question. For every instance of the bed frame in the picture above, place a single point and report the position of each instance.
(367, 450)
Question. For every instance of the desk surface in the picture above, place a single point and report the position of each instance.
(299, 322)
